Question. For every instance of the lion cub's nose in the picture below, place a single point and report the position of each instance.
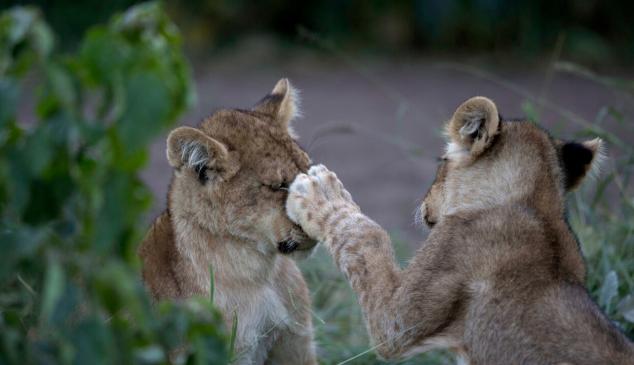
(287, 246)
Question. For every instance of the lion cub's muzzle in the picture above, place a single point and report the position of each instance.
(287, 246)
(298, 242)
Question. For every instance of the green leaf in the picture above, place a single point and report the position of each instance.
(608, 289)
(147, 108)
(93, 342)
(9, 96)
(53, 289)
(626, 308)
(23, 26)
(150, 355)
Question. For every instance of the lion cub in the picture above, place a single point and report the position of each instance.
(226, 211)
(500, 277)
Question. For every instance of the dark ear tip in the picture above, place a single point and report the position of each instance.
(577, 153)
(576, 159)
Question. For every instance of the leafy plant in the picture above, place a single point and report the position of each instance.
(71, 200)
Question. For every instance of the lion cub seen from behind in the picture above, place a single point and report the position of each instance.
(226, 211)
(500, 279)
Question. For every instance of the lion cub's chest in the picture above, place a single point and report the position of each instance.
(261, 316)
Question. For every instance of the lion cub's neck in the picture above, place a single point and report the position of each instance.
(558, 239)
(236, 263)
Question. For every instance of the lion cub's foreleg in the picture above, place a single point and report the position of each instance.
(402, 309)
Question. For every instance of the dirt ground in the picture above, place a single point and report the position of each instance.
(377, 124)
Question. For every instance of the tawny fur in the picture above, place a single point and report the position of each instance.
(226, 212)
(500, 279)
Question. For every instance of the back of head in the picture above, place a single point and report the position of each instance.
(490, 162)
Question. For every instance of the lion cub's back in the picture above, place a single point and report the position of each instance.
(158, 253)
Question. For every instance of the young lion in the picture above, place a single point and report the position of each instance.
(226, 212)
(500, 278)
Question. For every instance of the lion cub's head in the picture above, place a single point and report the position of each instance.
(231, 174)
(490, 162)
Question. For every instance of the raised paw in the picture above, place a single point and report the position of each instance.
(314, 198)
(331, 185)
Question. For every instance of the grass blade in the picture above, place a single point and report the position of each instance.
(232, 339)
(212, 284)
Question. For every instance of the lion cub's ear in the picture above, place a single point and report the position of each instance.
(191, 148)
(282, 104)
(473, 125)
(578, 158)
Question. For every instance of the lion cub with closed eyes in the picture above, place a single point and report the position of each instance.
(226, 211)
(500, 279)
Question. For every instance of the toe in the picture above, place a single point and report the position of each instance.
(317, 169)
(299, 185)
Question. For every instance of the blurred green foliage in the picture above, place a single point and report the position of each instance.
(71, 200)
(70, 19)
(448, 25)
(593, 31)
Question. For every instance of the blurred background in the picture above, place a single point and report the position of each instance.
(597, 32)
(378, 79)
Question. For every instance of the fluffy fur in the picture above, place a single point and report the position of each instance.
(226, 212)
(500, 279)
